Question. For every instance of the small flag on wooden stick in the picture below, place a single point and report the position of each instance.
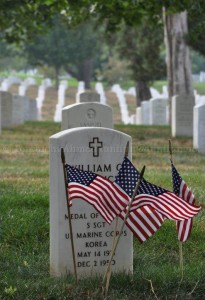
(181, 189)
(104, 195)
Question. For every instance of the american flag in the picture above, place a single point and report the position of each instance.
(104, 195)
(144, 221)
(165, 202)
(181, 189)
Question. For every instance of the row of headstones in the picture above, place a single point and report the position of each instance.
(23, 86)
(122, 103)
(81, 96)
(63, 86)
(153, 112)
(156, 112)
(199, 77)
(99, 149)
(15, 110)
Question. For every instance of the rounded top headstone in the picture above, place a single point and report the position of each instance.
(89, 96)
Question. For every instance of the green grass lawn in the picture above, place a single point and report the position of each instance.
(24, 222)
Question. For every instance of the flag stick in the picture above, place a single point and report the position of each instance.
(180, 243)
(127, 149)
(170, 149)
(123, 224)
(181, 258)
(69, 215)
(109, 272)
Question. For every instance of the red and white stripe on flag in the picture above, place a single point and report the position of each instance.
(105, 196)
(184, 227)
(143, 222)
(168, 204)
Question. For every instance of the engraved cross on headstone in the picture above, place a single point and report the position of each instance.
(96, 145)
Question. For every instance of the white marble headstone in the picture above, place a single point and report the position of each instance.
(139, 115)
(199, 128)
(158, 111)
(100, 90)
(145, 105)
(86, 115)
(12, 110)
(100, 150)
(182, 115)
(30, 109)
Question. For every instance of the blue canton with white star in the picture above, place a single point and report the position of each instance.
(128, 177)
(176, 179)
(78, 176)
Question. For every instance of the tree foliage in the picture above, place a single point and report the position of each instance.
(140, 46)
(76, 50)
(20, 19)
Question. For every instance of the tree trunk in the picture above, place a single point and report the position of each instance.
(56, 77)
(142, 92)
(179, 74)
(85, 72)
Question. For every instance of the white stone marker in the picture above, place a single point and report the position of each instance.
(12, 110)
(182, 115)
(155, 93)
(81, 89)
(89, 114)
(6, 83)
(100, 150)
(158, 111)
(199, 128)
(89, 96)
(139, 115)
(122, 103)
(30, 109)
(145, 105)
(132, 91)
(100, 90)
(61, 100)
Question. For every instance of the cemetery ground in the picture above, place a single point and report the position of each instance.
(24, 221)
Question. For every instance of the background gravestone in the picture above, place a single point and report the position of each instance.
(86, 115)
(145, 105)
(30, 109)
(182, 115)
(12, 110)
(89, 96)
(139, 115)
(158, 111)
(100, 150)
(199, 128)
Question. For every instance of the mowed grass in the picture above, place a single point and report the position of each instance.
(24, 221)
